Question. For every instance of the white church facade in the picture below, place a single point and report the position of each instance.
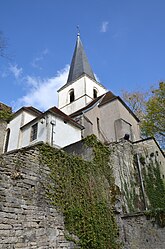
(29, 126)
(85, 107)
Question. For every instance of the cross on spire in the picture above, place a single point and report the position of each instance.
(78, 30)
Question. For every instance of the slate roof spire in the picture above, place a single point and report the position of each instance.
(79, 64)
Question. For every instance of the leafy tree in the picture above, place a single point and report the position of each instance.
(149, 107)
(154, 122)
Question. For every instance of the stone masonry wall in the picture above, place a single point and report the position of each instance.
(138, 232)
(27, 220)
(135, 230)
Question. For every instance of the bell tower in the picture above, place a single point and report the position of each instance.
(81, 86)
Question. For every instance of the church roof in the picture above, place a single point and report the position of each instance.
(55, 111)
(102, 100)
(65, 117)
(79, 64)
(29, 109)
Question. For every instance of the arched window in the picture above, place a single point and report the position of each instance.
(71, 96)
(7, 140)
(94, 93)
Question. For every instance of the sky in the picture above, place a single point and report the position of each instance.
(124, 41)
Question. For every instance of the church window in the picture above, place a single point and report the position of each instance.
(71, 96)
(7, 140)
(94, 93)
(34, 130)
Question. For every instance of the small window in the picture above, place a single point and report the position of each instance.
(94, 93)
(34, 130)
(71, 95)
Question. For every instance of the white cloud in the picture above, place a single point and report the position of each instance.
(42, 93)
(15, 70)
(36, 61)
(104, 27)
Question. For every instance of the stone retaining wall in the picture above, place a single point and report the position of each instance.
(27, 220)
(138, 232)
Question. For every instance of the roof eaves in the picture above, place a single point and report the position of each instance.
(66, 118)
(130, 111)
(27, 109)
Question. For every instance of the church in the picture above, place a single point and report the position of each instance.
(131, 179)
(85, 107)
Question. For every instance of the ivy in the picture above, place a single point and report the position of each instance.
(154, 186)
(83, 192)
(5, 115)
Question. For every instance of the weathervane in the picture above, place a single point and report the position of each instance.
(78, 30)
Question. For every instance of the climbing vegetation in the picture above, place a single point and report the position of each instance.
(155, 188)
(5, 114)
(83, 191)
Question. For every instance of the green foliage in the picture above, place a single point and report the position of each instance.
(153, 125)
(149, 107)
(154, 186)
(5, 115)
(82, 191)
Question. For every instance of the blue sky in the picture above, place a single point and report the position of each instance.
(123, 39)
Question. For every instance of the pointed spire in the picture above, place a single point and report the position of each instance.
(79, 64)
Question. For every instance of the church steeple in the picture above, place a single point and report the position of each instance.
(81, 86)
(79, 64)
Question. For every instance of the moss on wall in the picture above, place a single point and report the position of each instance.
(83, 192)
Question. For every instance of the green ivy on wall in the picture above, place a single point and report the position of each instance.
(5, 115)
(155, 190)
(82, 190)
(154, 186)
